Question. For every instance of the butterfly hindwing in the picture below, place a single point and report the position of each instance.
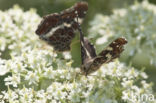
(58, 29)
(112, 51)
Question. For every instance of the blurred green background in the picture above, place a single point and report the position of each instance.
(45, 7)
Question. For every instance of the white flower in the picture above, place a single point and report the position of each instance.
(17, 30)
(50, 73)
(32, 77)
(3, 67)
(13, 80)
(67, 55)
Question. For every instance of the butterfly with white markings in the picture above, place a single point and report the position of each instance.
(58, 29)
(92, 62)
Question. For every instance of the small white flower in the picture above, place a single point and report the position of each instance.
(67, 55)
(13, 80)
(49, 73)
(3, 67)
(125, 95)
(32, 77)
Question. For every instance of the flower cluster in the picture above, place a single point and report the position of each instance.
(137, 23)
(37, 75)
(17, 31)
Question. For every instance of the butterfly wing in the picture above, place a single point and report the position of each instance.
(58, 29)
(112, 51)
(87, 51)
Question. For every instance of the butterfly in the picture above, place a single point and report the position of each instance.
(91, 62)
(58, 29)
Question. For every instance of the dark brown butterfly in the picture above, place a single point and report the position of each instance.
(58, 29)
(92, 62)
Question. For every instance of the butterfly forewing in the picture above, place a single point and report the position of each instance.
(58, 29)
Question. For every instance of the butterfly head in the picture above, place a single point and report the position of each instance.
(81, 9)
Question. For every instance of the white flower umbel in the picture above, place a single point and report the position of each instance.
(41, 77)
(137, 24)
(17, 31)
